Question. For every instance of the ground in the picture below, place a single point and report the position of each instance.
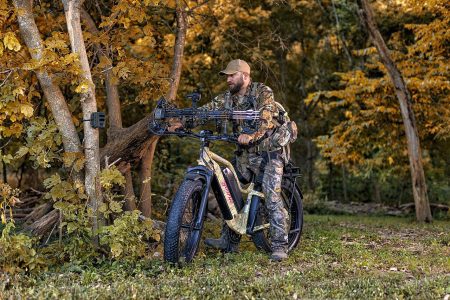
(339, 257)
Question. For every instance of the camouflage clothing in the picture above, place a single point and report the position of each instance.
(265, 103)
(271, 174)
(250, 160)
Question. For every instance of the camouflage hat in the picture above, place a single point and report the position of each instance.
(234, 66)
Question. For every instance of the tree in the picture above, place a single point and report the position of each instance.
(89, 106)
(367, 134)
(419, 186)
(80, 70)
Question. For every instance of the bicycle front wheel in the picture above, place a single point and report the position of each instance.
(182, 236)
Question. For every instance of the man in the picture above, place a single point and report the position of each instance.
(266, 160)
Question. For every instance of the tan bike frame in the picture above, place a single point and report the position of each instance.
(238, 223)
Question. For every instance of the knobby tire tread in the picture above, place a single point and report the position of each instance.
(174, 220)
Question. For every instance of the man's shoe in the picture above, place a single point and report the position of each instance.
(228, 241)
(220, 243)
(278, 255)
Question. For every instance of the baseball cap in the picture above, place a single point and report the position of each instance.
(234, 66)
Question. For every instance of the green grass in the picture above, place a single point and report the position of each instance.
(339, 257)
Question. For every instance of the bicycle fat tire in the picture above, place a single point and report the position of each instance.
(181, 238)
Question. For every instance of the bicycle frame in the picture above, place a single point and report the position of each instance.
(239, 220)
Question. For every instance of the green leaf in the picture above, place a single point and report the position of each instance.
(52, 181)
(22, 151)
(115, 206)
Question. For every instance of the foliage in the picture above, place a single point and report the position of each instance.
(339, 257)
(9, 197)
(77, 244)
(17, 250)
(18, 253)
(367, 133)
(127, 238)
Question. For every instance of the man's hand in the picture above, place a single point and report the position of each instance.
(244, 139)
(174, 124)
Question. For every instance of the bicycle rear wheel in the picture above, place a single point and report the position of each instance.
(292, 201)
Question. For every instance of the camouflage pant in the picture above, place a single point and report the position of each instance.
(249, 163)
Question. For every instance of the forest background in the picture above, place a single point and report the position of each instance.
(316, 55)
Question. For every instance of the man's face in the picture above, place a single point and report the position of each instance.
(235, 82)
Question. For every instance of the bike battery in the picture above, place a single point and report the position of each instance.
(234, 188)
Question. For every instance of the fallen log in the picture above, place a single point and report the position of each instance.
(437, 206)
(44, 224)
(38, 213)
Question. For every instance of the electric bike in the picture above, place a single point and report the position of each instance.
(213, 172)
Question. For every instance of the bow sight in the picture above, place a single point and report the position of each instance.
(247, 121)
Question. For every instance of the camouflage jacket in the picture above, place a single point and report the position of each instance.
(265, 103)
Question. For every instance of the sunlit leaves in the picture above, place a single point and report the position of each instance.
(83, 87)
(369, 129)
(11, 42)
(111, 176)
(42, 143)
(74, 160)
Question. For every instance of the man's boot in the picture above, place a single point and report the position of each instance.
(279, 254)
(228, 241)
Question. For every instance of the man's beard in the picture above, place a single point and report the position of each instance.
(237, 87)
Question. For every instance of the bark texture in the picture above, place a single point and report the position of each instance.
(88, 106)
(113, 105)
(180, 40)
(145, 205)
(60, 111)
(419, 186)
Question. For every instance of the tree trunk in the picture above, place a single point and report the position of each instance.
(376, 192)
(4, 171)
(145, 205)
(113, 104)
(180, 40)
(175, 75)
(88, 106)
(130, 203)
(419, 186)
(58, 106)
(112, 91)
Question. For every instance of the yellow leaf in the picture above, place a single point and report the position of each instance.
(82, 88)
(348, 114)
(11, 42)
(1, 48)
(26, 110)
(19, 91)
(390, 160)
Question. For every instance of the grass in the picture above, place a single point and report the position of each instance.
(339, 257)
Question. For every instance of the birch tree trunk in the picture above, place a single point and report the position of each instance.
(58, 106)
(419, 186)
(88, 106)
(113, 105)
